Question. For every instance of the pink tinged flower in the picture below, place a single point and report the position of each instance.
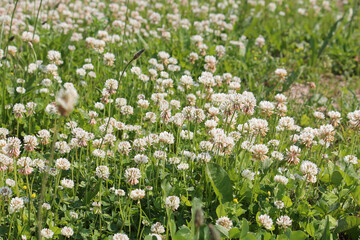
(132, 175)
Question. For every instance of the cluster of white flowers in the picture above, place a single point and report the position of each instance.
(159, 112)
(172, 202)
(266, 221)
(310, 170)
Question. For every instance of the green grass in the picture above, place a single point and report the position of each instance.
(223, 179)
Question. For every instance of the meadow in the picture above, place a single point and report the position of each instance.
(179, 119)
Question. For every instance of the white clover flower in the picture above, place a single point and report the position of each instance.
(266, 221)
(120, 192)
(132, 175)
(279, 204)
(225, 222)
(351, 159)
(157, 228)
(141, 159)
(120, 236)
(16, 204)
(248, 174)
(284, 221)
(281, 179)
(67, 232)
(9, 182)
(102, 172)
(46, 206)
(172, 202)
(5, 192)
(47, 233)
(183, 166)
(137, 194)
(74, 215)
(308, 168)
(67, 183)
(62, 163)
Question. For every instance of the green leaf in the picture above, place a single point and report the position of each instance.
(305, 120)
(220, 182)
(326, 233)
(166, 188)
(349, 180)
(183, 233)
(329, 36)
(356, 195)
(266, 236)
(220, 211)
(310, 229)
(336, 178)
(92, 193)
(223, 231)
(240, 211)
(150, 237)
(282, 237)
(180, 237)
(287, 201)
(172, 227)
(185, 201)
(249, 236)
(234, 233)
(347, 223)
(298, 235)
(244, 228)
(56, 230)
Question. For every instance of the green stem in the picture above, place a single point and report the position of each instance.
(44, 181)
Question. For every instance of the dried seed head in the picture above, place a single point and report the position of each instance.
(199, 217)
(66, 100)
(138, 54)
(214, 234)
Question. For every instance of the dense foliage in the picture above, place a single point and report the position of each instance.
(220, 119)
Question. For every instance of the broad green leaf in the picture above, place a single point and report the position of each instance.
(92, 193)
(356, 195)
(298, 235)
(282, 237)
(305, 120)
(310, 229)
(186, 201)
(349, 180)
(240, 211)
(172, 227)
(336, 178)
(234, 233)
(56, 230)
(220, 182)
(266, 236)
(183, 232)
(180, 237)
(326, 233)
(287, 201)
(150, 237)
(249, 236)
(223, 231)
(244, 228)
(347, 223)
(166, 188)
(329, 36)
(220, 211)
